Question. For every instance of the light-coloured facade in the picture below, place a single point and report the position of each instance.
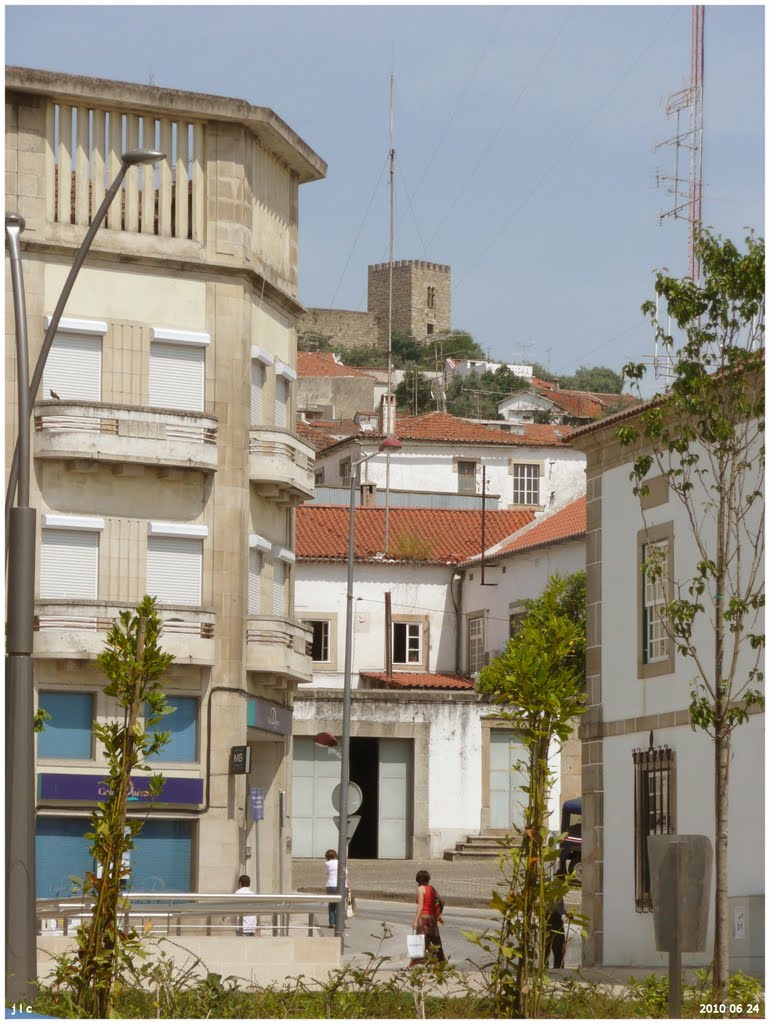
(165, 459)
(638, 701)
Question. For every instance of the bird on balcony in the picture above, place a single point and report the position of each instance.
(53, 394)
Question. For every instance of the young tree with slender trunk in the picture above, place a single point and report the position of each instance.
(705, 436)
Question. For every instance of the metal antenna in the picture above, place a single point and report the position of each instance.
(688, 142)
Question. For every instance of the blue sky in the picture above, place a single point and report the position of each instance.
(525, 143)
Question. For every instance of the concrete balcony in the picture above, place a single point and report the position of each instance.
(278, 647)
(125, 433)
(66, 628)
(281, 465)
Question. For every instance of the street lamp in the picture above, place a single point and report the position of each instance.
(388, 445)
(20, 916)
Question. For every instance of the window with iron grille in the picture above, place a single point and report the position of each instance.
(475, 644)
(466, 477)
(654, 812)
(345, 472)
(526, 484)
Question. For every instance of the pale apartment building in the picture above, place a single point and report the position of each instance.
(164, 458)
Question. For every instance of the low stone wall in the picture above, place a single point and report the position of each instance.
(256, 960)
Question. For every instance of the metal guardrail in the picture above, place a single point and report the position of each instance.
(192, 913)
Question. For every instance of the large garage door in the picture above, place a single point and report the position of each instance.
(316, 773)
(395, 804)
(506, 799)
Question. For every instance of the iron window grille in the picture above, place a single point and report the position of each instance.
(654, 812)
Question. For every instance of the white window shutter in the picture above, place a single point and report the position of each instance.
(281, 401)
(255, 575)
(174, 569)
(73, 369)
(69, 562)
(257, 384)
(279, 588)
(176, 376)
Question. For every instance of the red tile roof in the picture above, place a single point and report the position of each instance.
(583, 404)
(317, 439)
(437, 536)
(565, 524)
(442, 426)
(323, 364)
(419, 680)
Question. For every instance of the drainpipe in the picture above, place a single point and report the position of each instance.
(458, 606)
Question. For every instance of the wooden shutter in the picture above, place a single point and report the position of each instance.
(68, 564)
(257, 385)
(73, 369)
(174, 569)
(176, 376)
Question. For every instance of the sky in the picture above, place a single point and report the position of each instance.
(526, 143)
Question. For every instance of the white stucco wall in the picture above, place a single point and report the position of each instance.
(434, 468)
(321, 591)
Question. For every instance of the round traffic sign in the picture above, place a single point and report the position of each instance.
(355, 796)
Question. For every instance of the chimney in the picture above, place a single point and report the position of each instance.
(368, 495)
(388, 415)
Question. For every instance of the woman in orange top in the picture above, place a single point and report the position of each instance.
(429, 907)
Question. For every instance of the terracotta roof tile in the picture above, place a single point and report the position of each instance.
(568, 522)
(323, 364)
(419, 680)
(434, 536)
(585, 404)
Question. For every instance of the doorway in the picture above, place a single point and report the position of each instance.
(364, 772)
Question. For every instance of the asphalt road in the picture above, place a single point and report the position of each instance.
(364, 931)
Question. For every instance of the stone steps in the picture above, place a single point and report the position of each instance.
(481, 846)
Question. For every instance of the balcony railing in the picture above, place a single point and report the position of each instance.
(278, 646)
(281, 466)
(124, 433)
(70, 628)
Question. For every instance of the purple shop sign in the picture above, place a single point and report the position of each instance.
(95, 787)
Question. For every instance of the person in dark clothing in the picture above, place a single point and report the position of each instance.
(555, 940)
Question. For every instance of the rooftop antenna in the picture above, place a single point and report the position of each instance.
(688, 145)
(525, 347)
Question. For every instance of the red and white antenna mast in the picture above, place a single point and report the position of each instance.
(688, 192)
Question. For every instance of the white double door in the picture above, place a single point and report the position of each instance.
(507, 800)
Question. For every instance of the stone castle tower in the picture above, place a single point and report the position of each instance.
(422, 306)
(422, 298)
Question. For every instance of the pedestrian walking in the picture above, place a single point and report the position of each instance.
(249, 924)
(331, 865)
(555, 941)
(427, 917)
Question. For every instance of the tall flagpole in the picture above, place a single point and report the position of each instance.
(391, 412)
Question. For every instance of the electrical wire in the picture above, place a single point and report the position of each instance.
(402, 178)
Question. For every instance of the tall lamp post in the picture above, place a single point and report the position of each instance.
(20, 916)
(388, 445)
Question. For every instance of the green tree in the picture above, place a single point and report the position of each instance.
(413, 394)
(706, 438)
(133, 663)
(595, 378)
(537, 684)
(565, 594)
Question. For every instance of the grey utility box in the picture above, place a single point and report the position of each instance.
(747, 934)
(680, 885)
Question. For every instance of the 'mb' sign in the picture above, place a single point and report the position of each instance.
(240, 760)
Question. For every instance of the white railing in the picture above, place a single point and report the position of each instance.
(193, 913)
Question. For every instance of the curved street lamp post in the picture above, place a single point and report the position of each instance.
(20, 917)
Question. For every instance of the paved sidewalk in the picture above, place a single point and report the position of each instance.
(462, 883)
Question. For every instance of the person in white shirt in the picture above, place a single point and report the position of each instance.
(249, 924)
(331, 866)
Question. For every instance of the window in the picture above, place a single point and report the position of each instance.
(466, 477)
(177, 365)
(515, 620)
(61, 850)
(526, 484)
(182, 723)
(259, 360)
(284, 375)
(320, 643)
(431, 297)
(282, 560)
(654, 812)
(68, 733)
(162, 860)
(73, 369)
(475, 644)
(345, 472)
(655, 567)
(175, 563)
(69, 557)
(319, 478)
(257, 548)
(407, 643)
(429, 328)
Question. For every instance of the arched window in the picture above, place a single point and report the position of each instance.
(431, 296)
